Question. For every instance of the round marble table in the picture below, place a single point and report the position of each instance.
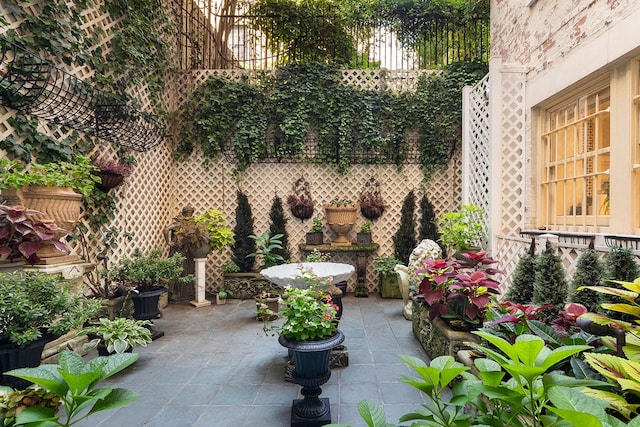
(291, 274)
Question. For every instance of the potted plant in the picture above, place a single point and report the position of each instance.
(341, 215)
(300, 200)
(266, 247)
(267, 305)
(310, 331)
(461, 230)
(147, 276)
(459, 291)
(387, 277)
(112, 172)
(314, 235)
(222, 295)
(372, 204)
(55, 189)
(363, 237)
(22, 236)
(34, 308)
(117, 336)
(198, 235)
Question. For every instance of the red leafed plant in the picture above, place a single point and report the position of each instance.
(22, 236)
(459, 289)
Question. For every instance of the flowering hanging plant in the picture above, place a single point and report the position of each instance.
(113, 167)
(309, 313)
(459, 289)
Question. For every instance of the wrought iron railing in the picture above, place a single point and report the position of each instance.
(32, 84)
(208, 40)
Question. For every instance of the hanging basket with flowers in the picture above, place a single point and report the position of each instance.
(372, 204)
(300, 200)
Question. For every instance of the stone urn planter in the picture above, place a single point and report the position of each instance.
(311, 370)
(341, 218)
(60, 205)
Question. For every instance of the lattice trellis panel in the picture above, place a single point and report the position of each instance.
(513, 153)
(476, 162)
(212, 186)
(511, 248)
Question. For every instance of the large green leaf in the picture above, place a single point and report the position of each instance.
(46, 376)
(115, 398)
(544, 331)
(79, 381)
(561, 353)
(116, 363)
(502, 344)
(37, 415)
(527, 348)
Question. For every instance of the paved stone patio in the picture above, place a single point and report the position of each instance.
(216, 367)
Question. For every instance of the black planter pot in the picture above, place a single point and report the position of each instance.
(201, 251)
(102, 350)
(145, 304)
(14, 357)
(314, 238)
(311, 370)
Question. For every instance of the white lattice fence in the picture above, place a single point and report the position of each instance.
(476, 159)
(512, 175)
(212, 186)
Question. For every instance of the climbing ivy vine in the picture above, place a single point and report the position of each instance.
(281, 114)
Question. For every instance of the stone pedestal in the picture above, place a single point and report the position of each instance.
(68, 270)
(200, 300)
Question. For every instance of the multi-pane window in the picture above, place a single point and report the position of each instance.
(575, 162)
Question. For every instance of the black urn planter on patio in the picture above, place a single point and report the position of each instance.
(145, 307)
(311, 370)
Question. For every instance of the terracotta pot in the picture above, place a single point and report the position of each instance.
(341, 220)
(60, 205)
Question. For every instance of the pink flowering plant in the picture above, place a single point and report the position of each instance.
(459, 289)
(113, 167)
(309, 313)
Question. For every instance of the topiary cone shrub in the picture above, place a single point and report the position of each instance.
(620, 264)
(404, 240)
(428, 227)
(550, 284)
(243, 246)
(521, 289)
(589, 272)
